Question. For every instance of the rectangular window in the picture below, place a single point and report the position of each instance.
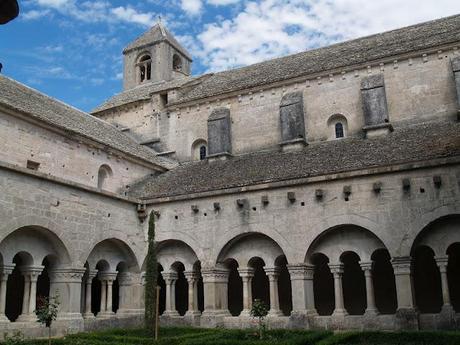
(32, 165)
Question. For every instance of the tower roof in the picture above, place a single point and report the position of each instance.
(158, 33)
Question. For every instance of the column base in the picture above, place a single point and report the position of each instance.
(245, 313)
(4, 319)
(27, 318)
(275, 313)
(170, 313)
(407, 319)
(371, 312)
(88, 316)
(105, 315)
(193, 314)
(339, 313)
(447, 317)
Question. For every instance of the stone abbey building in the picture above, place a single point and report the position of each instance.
(326, 183)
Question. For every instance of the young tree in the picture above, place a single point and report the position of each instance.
(151, 273)
(47, 311)
(259, 310)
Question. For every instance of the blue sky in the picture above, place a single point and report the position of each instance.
(71, 49)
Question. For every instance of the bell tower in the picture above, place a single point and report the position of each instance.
(154, 56)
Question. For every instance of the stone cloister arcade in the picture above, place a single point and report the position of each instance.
(37, 264)
(348, 271)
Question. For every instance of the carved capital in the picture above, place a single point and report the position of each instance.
(66, 275)
(31, 273)
(442, 262)
(191, 276)
(336, 269)
(215, 275)
(7, 270)
(366, 265)
(402, 265)
(107, 276)
(169, 277)
(301, 271)
(246, 272)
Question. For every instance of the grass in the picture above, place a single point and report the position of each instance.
(200, 336)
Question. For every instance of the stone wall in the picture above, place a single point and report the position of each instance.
(63, 156)
(418, 87)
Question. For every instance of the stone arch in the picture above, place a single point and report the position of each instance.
(38, 242)
(171, 251)
(345, 238)
(420, 223)
(55, 231)
(332, 123)
(323, 225)
(177, 63)
(144, 66)
(113, 251)
(103, 175)
(246, 246)
(197, 149)
(439, 234)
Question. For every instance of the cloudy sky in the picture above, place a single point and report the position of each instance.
(71, 49)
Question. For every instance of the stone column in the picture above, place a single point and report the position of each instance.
(6, 271)
(246, 274)
(442, 264)
(406, 314)
(29, 302)
(192, 279)
(371, 309)
(88, 314)
(125, 281)
(215, 282)
(273, 274)
(107, 279)
(170, 279)
(103, 308)
(66, 282)
(337, 271)
(303, 299)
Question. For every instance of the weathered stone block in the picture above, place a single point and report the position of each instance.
(374, 100)
(292, 117)
(456, 69)
(219, 134)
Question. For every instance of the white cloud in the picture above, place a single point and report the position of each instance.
(98, 11)
(130, 15)
(270, 28)
(222, 2)
(192, 7)
(34, 14)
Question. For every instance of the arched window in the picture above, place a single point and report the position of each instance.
(202, 152)
(199, 150)
(104, 173)
(337, 127)
(145, 68)
(339, 130)
(177, 63)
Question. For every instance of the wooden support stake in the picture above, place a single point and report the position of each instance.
(157, 310)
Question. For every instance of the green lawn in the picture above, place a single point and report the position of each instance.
(196, 336)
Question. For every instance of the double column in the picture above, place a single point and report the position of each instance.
(337, 271)
(442, 262)
(273, 274)
(29, 301)
(246, 274)
(371, 308)
(107, 279)
(6, 271)
(192, 280)
(88, 314)
(170, 279)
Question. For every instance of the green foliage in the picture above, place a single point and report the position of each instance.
(151, 273)
(260, 310)
(47, 309)
(203, 336)
(15, 339)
